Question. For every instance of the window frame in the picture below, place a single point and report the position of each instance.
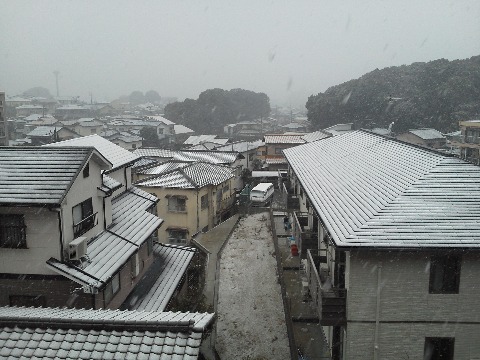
(174, 239)
(436, 343)
(89, 218)
(204, 202)
(177, 208)
(19, 230)
(449, 267)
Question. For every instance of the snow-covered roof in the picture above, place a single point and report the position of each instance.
(54, 333)
(198, 139)
(242, 146)
(43, 131)
(182, 129)
(373, 191)
(161, 119)
(275, 161)
(339, 129)
(29, 107)
(112, 248)
(33, 117)
(39, 175)
(314, 136)
(157, 286)
(194, 175)
(154, 152)
(381, 131)
(89, 122)
(261, 174)
(284, 139)
(143, 163)
(427, 134)
(164, 167)
(213, 157)
(117, 155)
(203, 146)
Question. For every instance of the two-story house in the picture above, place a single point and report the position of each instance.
(275, 144)
(469, 140)
(394, 267)
(193, 197)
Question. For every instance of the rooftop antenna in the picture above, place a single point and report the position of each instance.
(56, 72)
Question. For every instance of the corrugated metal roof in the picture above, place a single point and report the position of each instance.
(38, 175)
(373, 191)
(117, 155)
(191, 176)
(155, 289)
(284, 139)
(109, 251)
(213, 157)
(53, 333)
(427, 134)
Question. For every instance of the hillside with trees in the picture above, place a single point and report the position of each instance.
(216, 108)
(435, 94)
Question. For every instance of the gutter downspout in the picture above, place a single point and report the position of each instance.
(59, 215)
(377, 313)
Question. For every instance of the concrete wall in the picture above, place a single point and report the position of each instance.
(407, 312)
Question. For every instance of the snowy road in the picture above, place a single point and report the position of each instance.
(251, 320)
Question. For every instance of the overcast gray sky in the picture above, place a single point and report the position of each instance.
(287, 49)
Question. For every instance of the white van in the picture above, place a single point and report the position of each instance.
(261, 194)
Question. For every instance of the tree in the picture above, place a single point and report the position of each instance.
(38, 91)
(136, 98)
(152, 96)
(150, 137)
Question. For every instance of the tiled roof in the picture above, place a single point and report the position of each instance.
(275, 161)
(242, 146)
(164, 167)
(157, 286)
(191, 176)
(427, 134)
(110, 183)
(373, 191)
(53, 333)
(43, 131)
(213, 157)
(284, 139)
(144, 162)
(117, 155)
(109, 251)
(38, 175)
(154, 152)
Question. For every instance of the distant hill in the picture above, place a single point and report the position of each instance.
(434, 94)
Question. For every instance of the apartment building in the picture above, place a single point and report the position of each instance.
(392, 246)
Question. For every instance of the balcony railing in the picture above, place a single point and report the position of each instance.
(83, 226)
(329, 301)
(304, 236)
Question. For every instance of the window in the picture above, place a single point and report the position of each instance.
(444, 274)
(86, 171)
(83, 217)
(13, 231)
(438, 348)
(204, 201)
(177, 236)
(226, 188)
(176, 203)
(27, 300)
(160, 131)
(134, 146)
(112, 288)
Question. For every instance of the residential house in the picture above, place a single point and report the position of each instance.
(247, 149)
(469, 140)
(47, 134)
(392, 238)
(275, 144)
(3, 121)
(88, 126)
(424, 137)
(55, 333)
(127, 140)
(193, 197)
(26, 110)
(182, 133)
(59, 217)
(165, 128)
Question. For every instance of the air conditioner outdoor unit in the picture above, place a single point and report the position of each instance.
(77, 248)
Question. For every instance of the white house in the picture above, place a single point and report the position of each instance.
(395, 261)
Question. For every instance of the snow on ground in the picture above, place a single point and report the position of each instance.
(251, 320)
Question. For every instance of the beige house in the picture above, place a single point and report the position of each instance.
(88, 126)
(193, 197)
(389, 234)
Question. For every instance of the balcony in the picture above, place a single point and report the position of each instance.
(329, 300)
(83, 226)
(304, 236)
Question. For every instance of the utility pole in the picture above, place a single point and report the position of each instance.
(56, 72)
